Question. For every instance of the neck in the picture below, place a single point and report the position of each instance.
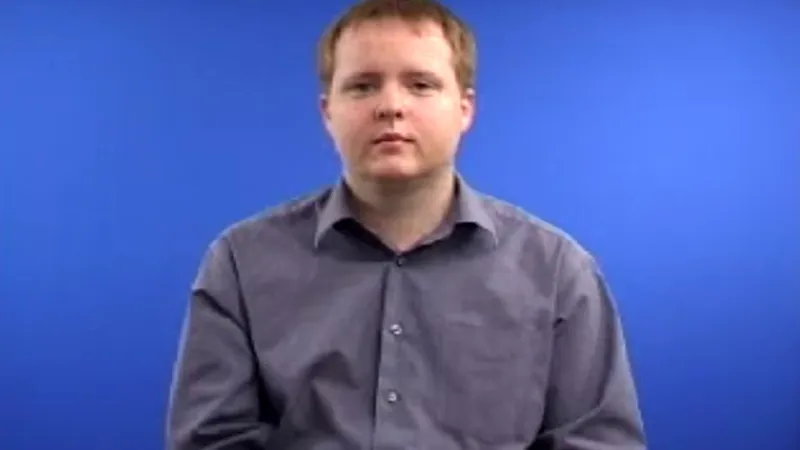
(404, 212)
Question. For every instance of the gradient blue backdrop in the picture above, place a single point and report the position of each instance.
(665, 138)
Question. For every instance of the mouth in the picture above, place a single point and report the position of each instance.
(394, 138)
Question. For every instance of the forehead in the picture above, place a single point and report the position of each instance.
(387, 44)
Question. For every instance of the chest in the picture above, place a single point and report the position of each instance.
(464, 317)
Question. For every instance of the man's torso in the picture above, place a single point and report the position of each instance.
(445, 346)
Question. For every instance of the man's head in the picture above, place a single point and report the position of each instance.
(398, 87)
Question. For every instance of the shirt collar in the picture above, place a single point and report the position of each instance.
(468, 209)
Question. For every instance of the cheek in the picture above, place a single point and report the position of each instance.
(349, 122)
(350, 130)
(339, 127)
(439, 121)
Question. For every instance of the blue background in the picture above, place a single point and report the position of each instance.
(665, 138)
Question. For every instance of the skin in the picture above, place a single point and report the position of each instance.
(395, 76)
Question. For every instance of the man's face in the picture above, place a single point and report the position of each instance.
(395, 110)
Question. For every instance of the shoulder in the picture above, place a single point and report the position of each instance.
(553, 259)
(552, 245)
(283, 222)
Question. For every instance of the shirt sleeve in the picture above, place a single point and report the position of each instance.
(591, 401)
(214, 397)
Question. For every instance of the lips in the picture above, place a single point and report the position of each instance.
(390, 137)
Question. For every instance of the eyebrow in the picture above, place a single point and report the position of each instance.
(372, 74)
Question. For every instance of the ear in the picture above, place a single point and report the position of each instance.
(324, 106)
(467, 109)
(324, 109)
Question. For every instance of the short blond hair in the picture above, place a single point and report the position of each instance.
(458, 34)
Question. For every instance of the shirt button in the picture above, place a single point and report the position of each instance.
(396, 329)
(392, 397)
(400, 261)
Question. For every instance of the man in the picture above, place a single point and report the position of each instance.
(400, 309)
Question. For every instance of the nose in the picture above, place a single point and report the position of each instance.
(390, 105)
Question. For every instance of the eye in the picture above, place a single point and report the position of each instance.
(360, 87)
(421, 86)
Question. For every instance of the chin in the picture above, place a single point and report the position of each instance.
(394, 172)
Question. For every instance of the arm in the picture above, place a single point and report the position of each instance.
(214, 397)
(591, 400)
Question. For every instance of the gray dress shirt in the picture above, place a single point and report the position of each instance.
(305, 332)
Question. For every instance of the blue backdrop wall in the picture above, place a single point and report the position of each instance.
(664, 138)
